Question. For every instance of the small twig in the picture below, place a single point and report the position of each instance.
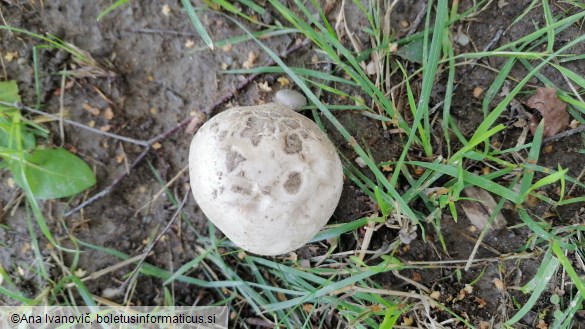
(163, 189)
(487, 47)
(151, 246)
(417, 20)
(412, 282)
(107, 270)
(75, 124)
(564, 134)
(495, 40)
(208, 111)
(110, 187)
(161, 31)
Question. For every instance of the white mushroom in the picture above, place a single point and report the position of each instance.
(266, 176)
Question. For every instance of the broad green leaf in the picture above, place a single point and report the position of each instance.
(9, 91)
(412, 51)
(53, 173)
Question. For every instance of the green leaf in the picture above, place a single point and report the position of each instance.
(9, 91)
(412, 51)
(53, 173)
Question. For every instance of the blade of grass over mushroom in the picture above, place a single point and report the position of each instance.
(197, 23)
(300, 83)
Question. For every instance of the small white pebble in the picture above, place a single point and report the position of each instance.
(290, 98)
(462, 39)
(110, 293)
(360, 162)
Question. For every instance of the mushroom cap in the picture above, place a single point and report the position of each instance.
(266, 176)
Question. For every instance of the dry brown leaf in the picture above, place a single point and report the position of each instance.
(553, 111)
(91, 109)
(479, 213)
(407, 321)
(108, 113)
(481, 303)
(541, 325)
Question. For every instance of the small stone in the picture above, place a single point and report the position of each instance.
(435, 295)
(110, 292)
(189, 44)
(166, 10)
(290, 98)
(462, 39)
(108, 113)
(360, 162)
(477, 92)
(371, 68)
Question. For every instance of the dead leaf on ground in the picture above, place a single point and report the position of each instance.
(553, 111)
(479, 213)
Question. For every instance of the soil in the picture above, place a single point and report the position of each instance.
(155, 72)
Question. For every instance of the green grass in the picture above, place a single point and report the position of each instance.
(436, 153)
